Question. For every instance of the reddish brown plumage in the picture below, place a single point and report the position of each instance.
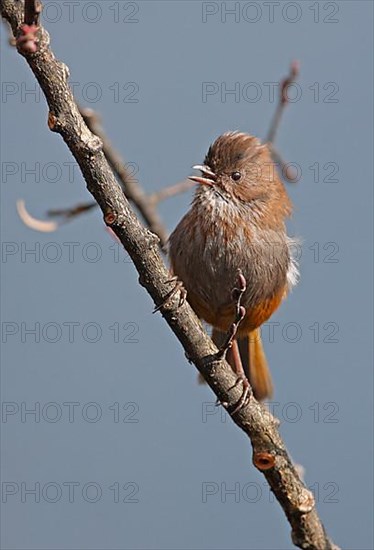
(236, 221)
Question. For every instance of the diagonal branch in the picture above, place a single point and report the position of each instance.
(269, 453)
(130, 186)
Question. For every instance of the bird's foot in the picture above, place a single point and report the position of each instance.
(178, 287)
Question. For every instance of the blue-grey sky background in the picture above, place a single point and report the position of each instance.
(158, 444)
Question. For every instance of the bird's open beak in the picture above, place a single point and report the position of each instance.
(206, 171)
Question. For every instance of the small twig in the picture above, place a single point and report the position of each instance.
(240, 312)
(283, 101)
(287, 172)
(33, 223)
(72, 212)
(232, 344)
(170, 191)
(69, 213)
(65, 215)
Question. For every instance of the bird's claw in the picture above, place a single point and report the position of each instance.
(178, 287)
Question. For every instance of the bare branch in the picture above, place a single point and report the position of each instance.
(129, 184)
(269, 453)
(283, 101)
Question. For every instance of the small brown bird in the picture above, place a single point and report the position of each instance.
(236, 224)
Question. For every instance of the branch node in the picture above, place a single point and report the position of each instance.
(306, 501)
(263, 460)
(93, 146)
(153, 239)
(27, 40)
(110, 217)
(53, 122)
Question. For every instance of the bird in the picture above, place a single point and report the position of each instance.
(236, 226)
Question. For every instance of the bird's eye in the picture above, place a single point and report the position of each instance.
(236, 176)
